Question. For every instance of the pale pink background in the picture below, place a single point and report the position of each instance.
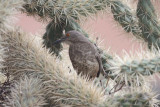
(112, 35)
(104, 27)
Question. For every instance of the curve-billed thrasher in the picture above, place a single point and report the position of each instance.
(83, 54)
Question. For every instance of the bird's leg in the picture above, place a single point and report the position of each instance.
(112, 89)
(106, 76)
(69, 69)
(96, 41)
(107, 81)
(120, 87)
(100, 82)
(115, 87)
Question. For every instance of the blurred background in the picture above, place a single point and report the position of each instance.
(102, 26)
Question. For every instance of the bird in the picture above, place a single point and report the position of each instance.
(83, 54)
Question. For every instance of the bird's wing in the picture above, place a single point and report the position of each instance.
(86, 47)
(101, 70)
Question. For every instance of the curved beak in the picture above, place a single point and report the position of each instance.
(60, 40)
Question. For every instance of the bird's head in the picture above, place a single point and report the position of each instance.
(71, 37)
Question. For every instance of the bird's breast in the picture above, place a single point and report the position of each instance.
(83, 59)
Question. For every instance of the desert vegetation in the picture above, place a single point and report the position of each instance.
(34, 73)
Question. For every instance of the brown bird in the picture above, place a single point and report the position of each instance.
(83, 54)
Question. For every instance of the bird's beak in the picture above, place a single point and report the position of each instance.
(60, 40)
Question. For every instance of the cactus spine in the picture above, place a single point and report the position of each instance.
(27, 92)
(46, 78)
(148, 23)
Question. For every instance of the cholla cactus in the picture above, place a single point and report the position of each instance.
(8, 9)
(133, 69)
(61, 11)
(148, 22)
(134, 98)
(27, 92)
(124, 16)
(42, 79)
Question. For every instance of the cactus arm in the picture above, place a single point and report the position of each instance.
(27, 92)
(135, 98)
(63, 12)
(52, 34)
(59, 10)
(8, 10)
(134, 70)
(148, 23)
(124, 16)
(73, 10)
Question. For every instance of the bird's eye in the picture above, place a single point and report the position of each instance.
(67, 34)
